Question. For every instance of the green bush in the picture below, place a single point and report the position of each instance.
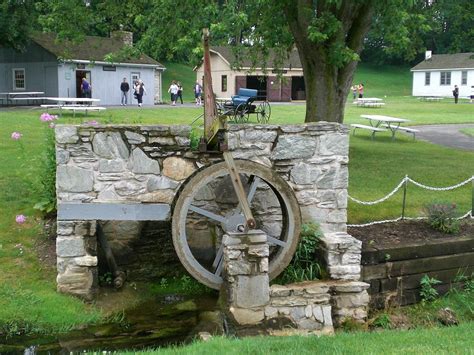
(442, 217)
(47, 176)
(427, 292)
(304, 265)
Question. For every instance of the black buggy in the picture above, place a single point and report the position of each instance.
(240, 106)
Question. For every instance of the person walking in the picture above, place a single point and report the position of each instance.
(360, 89)
(197, 93)
(472, 95)
(124, 88)
(85, 88)
(456, 94)
(180, 92)
(173, 90)
(140, 91)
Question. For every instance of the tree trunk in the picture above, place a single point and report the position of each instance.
(327, 77)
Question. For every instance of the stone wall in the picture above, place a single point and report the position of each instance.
(142, 164)
(249, 301)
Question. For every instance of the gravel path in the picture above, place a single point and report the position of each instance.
(447, 135)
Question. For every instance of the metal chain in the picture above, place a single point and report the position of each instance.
(440, 188)
(382, 199)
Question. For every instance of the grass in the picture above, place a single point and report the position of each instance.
(467, 131)
(452, 340)
(182, 73)
(27, 288)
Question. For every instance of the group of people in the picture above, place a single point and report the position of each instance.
(138, 91)
(357, 91)
(176, 92)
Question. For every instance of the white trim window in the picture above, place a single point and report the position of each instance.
(464, 77)
(445, 78)
(427, 78)
(19, 79)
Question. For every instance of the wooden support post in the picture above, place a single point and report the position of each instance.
(210, 112)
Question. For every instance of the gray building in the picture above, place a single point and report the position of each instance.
(57, 68)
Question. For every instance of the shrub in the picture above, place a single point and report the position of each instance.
(47, 177)
(442, 217)
(428, 293)
(304, 265)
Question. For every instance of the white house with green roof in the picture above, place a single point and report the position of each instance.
(438, 73)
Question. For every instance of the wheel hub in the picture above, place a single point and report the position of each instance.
(234, 221)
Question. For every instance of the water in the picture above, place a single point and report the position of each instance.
(162, 321)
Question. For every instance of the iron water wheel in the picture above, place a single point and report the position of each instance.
(206, 207)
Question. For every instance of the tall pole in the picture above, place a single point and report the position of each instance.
(209, 100)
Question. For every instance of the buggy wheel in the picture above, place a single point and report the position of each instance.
(241, 113)
(263, 111)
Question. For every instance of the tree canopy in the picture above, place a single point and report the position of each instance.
(330, 35)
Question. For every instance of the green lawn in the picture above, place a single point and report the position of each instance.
(375, 168)
(453, 340)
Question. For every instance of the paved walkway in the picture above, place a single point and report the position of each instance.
(447, 135)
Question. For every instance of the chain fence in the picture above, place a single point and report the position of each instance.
(403, 184)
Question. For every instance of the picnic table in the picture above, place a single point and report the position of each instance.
(388, 122)
(431, 98)
(74, 104)
(22, 96)
(369, 102)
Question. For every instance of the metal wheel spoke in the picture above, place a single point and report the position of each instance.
(276, 241)
(253, 189)
(220, 264)
(218, 257)
(207, 214)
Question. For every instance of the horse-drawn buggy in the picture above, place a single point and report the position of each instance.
(241, 106)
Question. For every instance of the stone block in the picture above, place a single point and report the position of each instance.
(251, 292)
(180, 130)
(309, 324)
(261, 251)
(62, 156)
(334, 144)
(134, 138)
(86, 260)
(65, 229)
(271, 312)
(327, 315)
(110, 145)
(351, 300)
(177, 168)
(66, 134)
(279, 291)
(183, 141)
(349, 287)
(247, 316)
(73, 179)
(290, 301)
(250, 135)
(160, 183)
(70, 246)
(111, 166)
(304, 174)
(308, 311)
(294, 147)
(297, 313)
(140, 163)
(318, 313)
(165, 141)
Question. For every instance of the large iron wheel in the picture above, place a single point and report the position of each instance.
(207, 207)
(263, 111)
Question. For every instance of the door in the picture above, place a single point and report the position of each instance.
(79, 75)
(134, 76)
(240, 82)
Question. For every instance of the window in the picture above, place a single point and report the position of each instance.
(427, 78)
(19, 79)
(224, 83)
(464, 77)
(445, 78)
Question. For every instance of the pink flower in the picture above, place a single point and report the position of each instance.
(16, 135)
(46, 117)
(20, 219)
(92, 123)
(55, 117)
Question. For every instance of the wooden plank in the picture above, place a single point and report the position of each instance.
(410, 267)
(372, 256)
(413, 281)
(114, 211)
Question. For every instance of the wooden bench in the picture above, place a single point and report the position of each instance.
(373, 104)
(369, 128)
(406, 129)
(84, 109)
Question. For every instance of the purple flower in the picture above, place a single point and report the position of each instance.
(92, 123)
(46, 117)
(16, 135)
(20, 219)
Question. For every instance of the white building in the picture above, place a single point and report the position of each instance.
(437, 75)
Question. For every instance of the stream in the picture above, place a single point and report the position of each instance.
(162, 321)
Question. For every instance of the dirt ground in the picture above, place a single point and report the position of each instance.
(405, 233)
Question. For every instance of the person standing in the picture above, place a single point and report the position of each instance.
(197, 93)
(140, 91)
(173, 90)
(180, 92)
(456, 94)
(354, 91)
(472, 94)
(360, 89)
(124, 88)
(85, 88)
